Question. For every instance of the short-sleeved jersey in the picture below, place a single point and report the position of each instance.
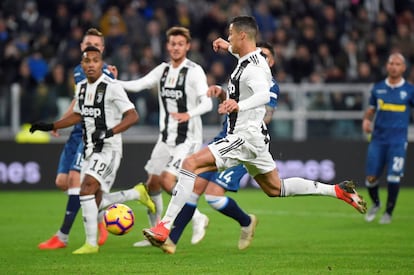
(393, 108)
(180, 89)
(101, 105)
(79, 75)
(274, 91)
(274, 94)
(252, 91)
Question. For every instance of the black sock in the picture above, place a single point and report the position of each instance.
(374, 194)
(72, 209)
(183, 218)
(233, 211)
(393, 189)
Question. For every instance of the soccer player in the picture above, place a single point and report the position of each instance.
(247, 140)
(386, 121)
(103, 108)
(228, 180)
(68, 173)
(182, 93)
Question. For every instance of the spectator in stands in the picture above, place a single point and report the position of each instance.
(29, 26)
(301, 65)
(113, 28)
(59, 88)
(323, 58)
(364, 73)
(135, 24)
(404, 40)
(264, 19)
(60, 23)
(28, 86)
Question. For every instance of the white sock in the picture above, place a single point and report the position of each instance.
(216, 202)
(300, 186)
(181, 194)
(118, 197)
(62, 236)
(154, 218)
(368, 184)
(74, 191)
(90, 218)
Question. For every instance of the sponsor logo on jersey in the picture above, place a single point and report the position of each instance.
(171, 93)
(231, 89)
(90, 112)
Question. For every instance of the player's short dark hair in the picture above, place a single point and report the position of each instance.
(246, 24)
(91, 49)
(266, 45)
(179, 31)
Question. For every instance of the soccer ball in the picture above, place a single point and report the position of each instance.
(119, 219)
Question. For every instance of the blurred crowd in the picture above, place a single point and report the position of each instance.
(315, 41)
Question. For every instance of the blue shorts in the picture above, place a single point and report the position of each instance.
(229, 179)
(380, 156)
(72, 154)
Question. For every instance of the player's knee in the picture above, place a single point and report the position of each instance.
(371, 181)
(74, 180)
(89, 187)
(216, 202)
(189, 163)
(61, 183)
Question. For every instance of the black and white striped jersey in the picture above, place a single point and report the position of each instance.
(181, 89)
(101, 105)
(249, 86)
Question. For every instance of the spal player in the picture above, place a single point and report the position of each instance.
(386, 120)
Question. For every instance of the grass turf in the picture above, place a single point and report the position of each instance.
(302, 235)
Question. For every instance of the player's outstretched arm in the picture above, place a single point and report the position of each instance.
(65, 122)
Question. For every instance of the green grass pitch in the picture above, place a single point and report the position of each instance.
(301, 235)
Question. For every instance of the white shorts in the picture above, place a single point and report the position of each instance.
(169, 158)
(103, 167)
(253, 153)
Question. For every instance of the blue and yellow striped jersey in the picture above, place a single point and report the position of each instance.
(393, 110)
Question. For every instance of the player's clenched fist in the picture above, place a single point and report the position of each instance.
(216, 91)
